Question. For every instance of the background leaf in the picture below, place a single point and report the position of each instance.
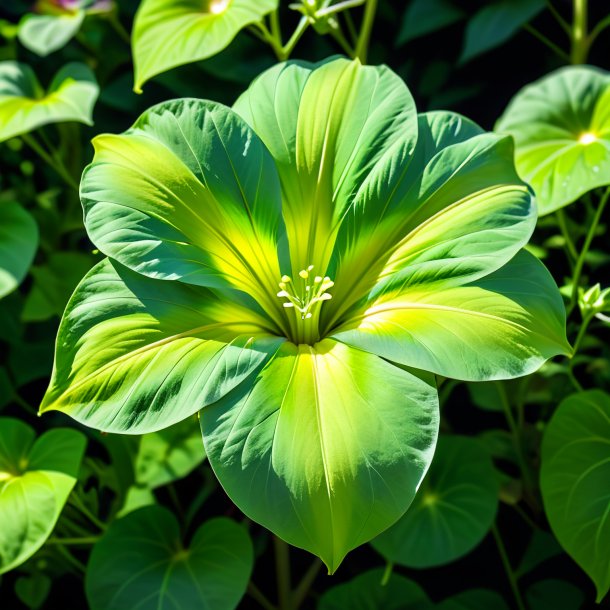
(44, 34)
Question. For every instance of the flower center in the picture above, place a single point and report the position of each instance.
(305, 295)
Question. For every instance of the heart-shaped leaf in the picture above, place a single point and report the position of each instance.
(142, 562)
(574, 480)
(18, 244)
(561, 126)
(453, 510)
(36, 478)
(201, 27)
(44, 34)
(24, 105)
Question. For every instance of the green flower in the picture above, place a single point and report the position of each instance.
(284, 267)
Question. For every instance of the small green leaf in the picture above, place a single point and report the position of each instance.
(36, 478)
(541, 547)
(24, 105)
(574, 480)
(495, 23)
(18, 245)
(425, 16)
(44, 34)
(135, 498)
(452, 512)
(561, 126)
(366, 592)
(33, 590)
(553, 594)
(169, 454)
(142, 562)
(202, 27)
(474, 599)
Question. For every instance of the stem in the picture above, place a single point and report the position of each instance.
(365, 31)
(24, 404)
(276, 28)
(598, 29)
(565, 232)
(80, 505)
(524, 516)
(560, 20)
(300, 593)
(73, 541)
(507, 567)
(351, 28)
(340, 6)
(296, 36)
(51, 160)
(282, 570)
(579, 38)
(257, 594)
(71, 559)
(585, 249)
(337, 34)
(117, 26)
(544, 40)
(387, 573)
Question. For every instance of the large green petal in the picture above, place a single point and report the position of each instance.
(18, 245)
(135, 355)
(504, 325)
(561, 126)
(188, 193)
(36, 478)
(169, 33)
(24, 105)
(325, 446)
(575, 482)
(329, 128)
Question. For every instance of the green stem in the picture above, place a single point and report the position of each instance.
(282, 570)
(544, 40)
(51, 160)
(579, 39)
(560, 20)
(567, 238)
(80, 505)
(256, 594)
(71, 559)
(276, 28)
(337, 34)
(300, 593)
(73, 541)
(340, 6)
(351, 28)
(296, 36)
(585, 250)
(508, 568)
(387, 573)
(24, 404)
(117, 26)
(524, 516)
(598, 29)
(365, 31)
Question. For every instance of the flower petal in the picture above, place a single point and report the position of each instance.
(327, 446)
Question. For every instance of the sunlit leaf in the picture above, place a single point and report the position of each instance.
(574, 482)
(18, 245)
(24, 105)
(168, 33)
(44, 34)
(453, 510)
(143, 562)
(561, 126)
(36, 478)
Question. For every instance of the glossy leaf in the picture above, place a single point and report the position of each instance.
(201, 27)
(137, 355)
(452, 512)
(36, 478)
(18, 245)
(495, 23)
(44, 34)
(142, 561)
(366, 592)
(326, 446)
(574, 482)
(169, 454)
(25, 106)
(561, 127)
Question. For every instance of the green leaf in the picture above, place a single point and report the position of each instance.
(137, 355)
(552, 594)
(44, 34)
(169, 454)
(574, 481)
(495, 23)
(325, 447)
(36, 478)
(142, 561)
(452, 512)
(33, 590)
(203, 27)
(135, 498)
(24, 106)
(18, 245)
(188, 193)
(561, 127)
(426, 16)
(54, 283)
(365, 592)
(474, 599)
(504, 325)
(541, 547)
